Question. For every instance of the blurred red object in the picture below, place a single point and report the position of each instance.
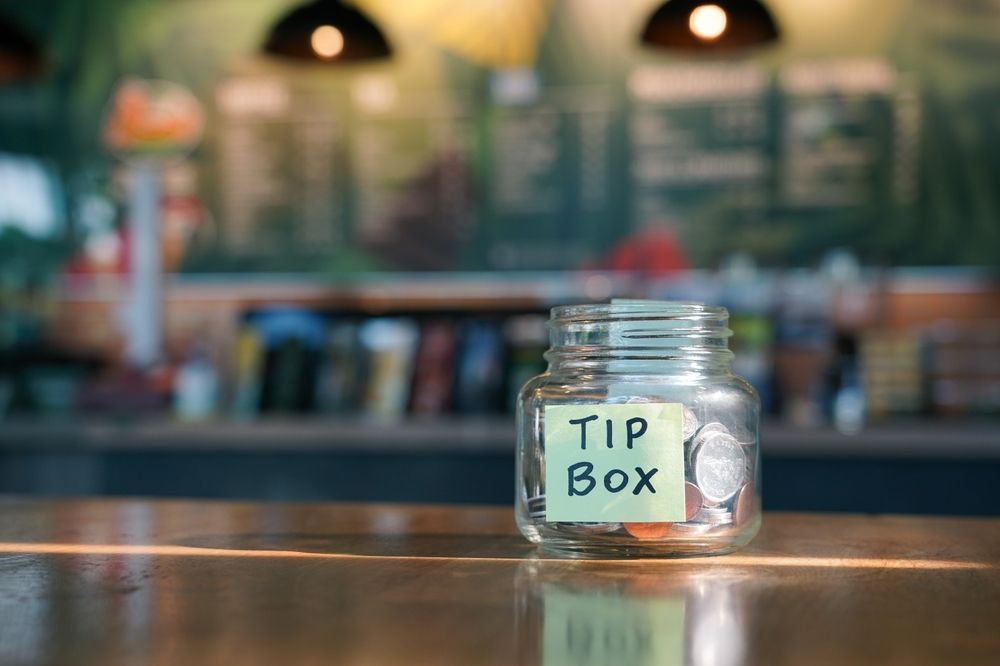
(651, 251)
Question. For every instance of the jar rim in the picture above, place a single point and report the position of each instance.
(638, 309)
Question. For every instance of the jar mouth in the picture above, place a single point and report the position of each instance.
(684, 314)
(677, 331)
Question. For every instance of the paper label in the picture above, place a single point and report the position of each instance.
(614, 463)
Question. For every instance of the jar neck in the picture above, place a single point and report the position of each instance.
(639, 338)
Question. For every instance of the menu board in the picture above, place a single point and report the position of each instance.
(412, 186)
(278, 171)
(700, 138)
(549, 179)
(849, 130)
(552, 177)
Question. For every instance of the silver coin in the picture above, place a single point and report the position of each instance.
(719, 467)
(689, 423)
(690, 528)
(597, 528)
(715, 518)
(584, 529)
(705, 432)
(710, 429)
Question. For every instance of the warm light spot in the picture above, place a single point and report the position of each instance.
(708, 22)
(327, 41)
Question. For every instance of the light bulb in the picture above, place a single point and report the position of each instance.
(327, 42)
(707, 22)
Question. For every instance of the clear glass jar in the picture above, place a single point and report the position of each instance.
(648, 442)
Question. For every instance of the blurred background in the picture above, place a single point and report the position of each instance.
(292, 250)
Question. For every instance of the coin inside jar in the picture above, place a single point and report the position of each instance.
(719, 467)
(597, 528)
(646, 531)
(744, 504)
(712, 428)
(691, 528)
(692, 500)
(689, 423)
(714, 516)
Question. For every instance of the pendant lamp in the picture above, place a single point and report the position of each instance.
(710, 25)
(327, 31)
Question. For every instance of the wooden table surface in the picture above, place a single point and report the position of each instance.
(189, 583)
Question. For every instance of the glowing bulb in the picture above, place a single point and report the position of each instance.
(707, 22)
(327, 41)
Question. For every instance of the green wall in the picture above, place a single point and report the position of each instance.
(868, 127)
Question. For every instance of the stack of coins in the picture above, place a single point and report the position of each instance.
(714, 516)
(598, 528)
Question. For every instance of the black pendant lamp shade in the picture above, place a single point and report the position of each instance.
(710, 25)
(20, 55)
(327, 31)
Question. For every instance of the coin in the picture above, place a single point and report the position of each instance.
(689, 423)
(745, 502)
(690, 528)
(714, 516)
(692, 500)
(647, 531)
(719, 467)
(711, 429)
(584, 529)
(704, 433)
(536, 506)
(597, 528)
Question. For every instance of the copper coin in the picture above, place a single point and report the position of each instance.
(646, 531)
(745, 501)
(692, 500)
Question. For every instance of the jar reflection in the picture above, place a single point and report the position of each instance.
(581, 616)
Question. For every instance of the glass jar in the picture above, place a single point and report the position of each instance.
(638, 440)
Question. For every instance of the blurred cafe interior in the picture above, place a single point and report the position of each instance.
(236, 263)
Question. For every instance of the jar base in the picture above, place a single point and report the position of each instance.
(618, 547)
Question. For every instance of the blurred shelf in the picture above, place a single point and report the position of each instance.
(377, 292)
(472, 435)
(917, 439)
(372, 293)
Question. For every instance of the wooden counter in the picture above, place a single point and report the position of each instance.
(188, 583)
